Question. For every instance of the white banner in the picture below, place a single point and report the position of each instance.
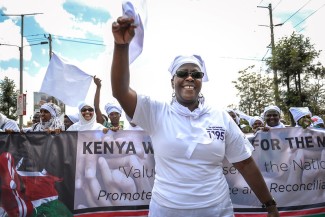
(292, 162)
(114, 169)
(115, 173)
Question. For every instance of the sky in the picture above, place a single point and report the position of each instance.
(230, 35)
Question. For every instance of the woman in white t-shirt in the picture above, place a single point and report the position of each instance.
(190, 139)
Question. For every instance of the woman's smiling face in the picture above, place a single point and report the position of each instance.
(87, 112)
(187, 88)
(272, 118)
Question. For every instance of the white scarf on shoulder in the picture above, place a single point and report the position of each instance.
(199, 134)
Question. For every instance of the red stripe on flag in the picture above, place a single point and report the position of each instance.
(304, 212)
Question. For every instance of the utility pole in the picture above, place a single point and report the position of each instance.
(49, 38)
(275, 73)
(21, 52)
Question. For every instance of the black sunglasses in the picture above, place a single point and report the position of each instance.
(87, 109)
(185, 74)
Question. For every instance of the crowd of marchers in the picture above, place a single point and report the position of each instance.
(89, 117)
(271, 118)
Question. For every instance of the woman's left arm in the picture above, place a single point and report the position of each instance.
(255, 180)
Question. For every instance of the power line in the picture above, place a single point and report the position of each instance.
(296, 12)
(301, 29)
(276, 5)
(78, 40)
(35, 39)
(83, 39)
(83, 42)
(265, 54)
(309, 16)
(242, 58)
(34, 35)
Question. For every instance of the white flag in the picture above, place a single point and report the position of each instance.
(139, 13)
(66, 82)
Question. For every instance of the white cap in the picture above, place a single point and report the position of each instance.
(299, 112)
(112, 107)
(181, 60)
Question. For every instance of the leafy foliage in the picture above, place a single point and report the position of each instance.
(300, 79)
(8, 98)
(254, 90)
(294, 59)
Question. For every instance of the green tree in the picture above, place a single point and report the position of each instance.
(294, 58)
(315, 90)
(8, 98)
(254, 91)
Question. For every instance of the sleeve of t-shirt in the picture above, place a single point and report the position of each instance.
(238, 147)
(146, 113)
(12, 125)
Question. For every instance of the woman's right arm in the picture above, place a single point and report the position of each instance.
(123, 32)
(99, 117)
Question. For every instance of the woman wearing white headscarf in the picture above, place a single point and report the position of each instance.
(255, 122)
(301, 116)
(50, 120)
(113, 111)
(70, 119)
(190, 138)
(87, 119)
(272, 117)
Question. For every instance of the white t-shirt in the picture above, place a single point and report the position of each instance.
(189, 148)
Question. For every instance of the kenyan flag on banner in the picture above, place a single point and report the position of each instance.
(33, 175)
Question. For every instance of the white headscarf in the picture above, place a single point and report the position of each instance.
(272, 107)
(299, 112)
(74, 118)
(54, 122)
(181, 60)
(250, 119)
(255, 118)
(112, 107)
(83, 124)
